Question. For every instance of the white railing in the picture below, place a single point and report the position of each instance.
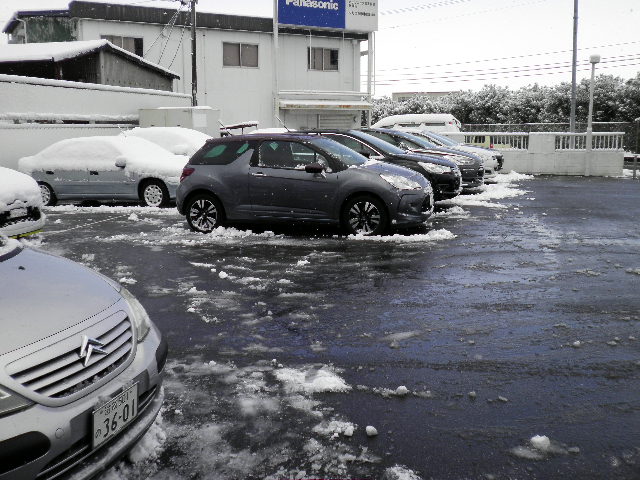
(599, 141)
(498, 140)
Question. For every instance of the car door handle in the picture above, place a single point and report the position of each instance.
(93, 172)
(258, 174)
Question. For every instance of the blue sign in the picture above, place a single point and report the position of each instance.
(312, 13)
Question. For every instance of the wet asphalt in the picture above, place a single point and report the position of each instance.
(526, 323)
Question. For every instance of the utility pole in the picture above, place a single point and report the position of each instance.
(572, 118)
(194, 71)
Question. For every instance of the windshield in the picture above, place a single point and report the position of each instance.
(378, 144)
(345, 155)
(439, 138)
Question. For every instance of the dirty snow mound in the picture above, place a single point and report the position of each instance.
(399, 472)
(312, 380)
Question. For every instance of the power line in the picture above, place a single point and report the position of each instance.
(506, 69)
(446, 80)
(424, 6)
(173, 23)
(439, 20)
(539, 54)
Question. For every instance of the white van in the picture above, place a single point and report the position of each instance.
(434, 122)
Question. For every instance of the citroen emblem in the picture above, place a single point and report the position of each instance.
(89, 347)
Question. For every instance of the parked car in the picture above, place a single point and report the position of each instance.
(80, 367)
(178, 140)
(107, 169)
(293, 177)
(20, 204)
(493, 160)
(471, 166)
(444, 175)
(435, 122)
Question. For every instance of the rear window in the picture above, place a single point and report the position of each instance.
(222, 153)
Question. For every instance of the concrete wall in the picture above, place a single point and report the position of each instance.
(543, 158)
(22, 140)
(24, 95)
(242, 94)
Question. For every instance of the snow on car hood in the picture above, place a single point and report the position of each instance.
(177, 140)
(41, 294)
(18, 190)
(100, 153)
(387, 168)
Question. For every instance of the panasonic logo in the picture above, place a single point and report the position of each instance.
(314, 4)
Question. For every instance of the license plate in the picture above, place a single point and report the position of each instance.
(18, 212)
(112, 417)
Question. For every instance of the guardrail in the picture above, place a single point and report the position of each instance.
(499, 140)
(580, 141)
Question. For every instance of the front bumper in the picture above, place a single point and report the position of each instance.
(68, 428)
(413, 209)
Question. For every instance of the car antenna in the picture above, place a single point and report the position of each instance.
(224, 131)
(283, 124)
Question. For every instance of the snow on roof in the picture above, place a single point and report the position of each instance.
(59, 51)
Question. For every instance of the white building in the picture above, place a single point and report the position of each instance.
(318, 81)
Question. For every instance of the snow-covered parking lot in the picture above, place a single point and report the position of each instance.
(500, 342)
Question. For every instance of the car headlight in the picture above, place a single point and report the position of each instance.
(461, 159)
(400, 182)
(435, 168)
(139, 315)
(12, 402)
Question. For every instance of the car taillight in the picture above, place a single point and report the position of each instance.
(186, 171)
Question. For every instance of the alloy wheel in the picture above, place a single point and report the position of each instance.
(45, 192)
(203, 215)
(364, 217)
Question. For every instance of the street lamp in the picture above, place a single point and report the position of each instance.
(593, 59)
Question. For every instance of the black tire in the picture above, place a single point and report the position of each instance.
(49, 198)
(204, 213)
(364, 215)
(154, 193)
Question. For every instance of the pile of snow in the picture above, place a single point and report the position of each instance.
(18, 190)
(432, 236)
(101, 153)
(7, 244)
(512, 177)
(311, 380)
(399, 472)
(178, 140)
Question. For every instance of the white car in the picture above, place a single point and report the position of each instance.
(493, 159)
(20, 204)
(178, 140)
(105, 169)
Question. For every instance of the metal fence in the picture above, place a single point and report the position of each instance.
(599, 141)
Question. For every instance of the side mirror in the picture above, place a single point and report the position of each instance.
(365, 154)
(314, 168)
(121, 162)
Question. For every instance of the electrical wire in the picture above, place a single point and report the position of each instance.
(174, 18)
(448, 80)
(424, 6)
(179, 43)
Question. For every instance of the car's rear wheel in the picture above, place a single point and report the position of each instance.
(364, 215)
(154, 193)
(204, 213)
(48, 195)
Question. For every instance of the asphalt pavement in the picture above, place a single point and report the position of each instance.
(513, 316)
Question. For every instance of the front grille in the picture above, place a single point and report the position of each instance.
(81, 449)
(57, 371)
(33, 214)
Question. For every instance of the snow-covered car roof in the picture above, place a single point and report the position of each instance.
(18, 190)
(177, 140)
(100, 153)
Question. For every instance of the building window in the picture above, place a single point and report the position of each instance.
(130, 44)
(323, 59)
(239, 55)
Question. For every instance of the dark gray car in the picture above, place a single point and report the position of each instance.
(80, 367)
(292, 177)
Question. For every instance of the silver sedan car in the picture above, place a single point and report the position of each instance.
(80, 367)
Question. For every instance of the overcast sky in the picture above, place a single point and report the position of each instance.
(446, 45)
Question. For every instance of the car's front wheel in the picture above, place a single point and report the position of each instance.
(48, 195)
(364, 215)
(204, 213)
(154, 193)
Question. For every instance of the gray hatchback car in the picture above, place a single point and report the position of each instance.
(80, 367)
(292, 177)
